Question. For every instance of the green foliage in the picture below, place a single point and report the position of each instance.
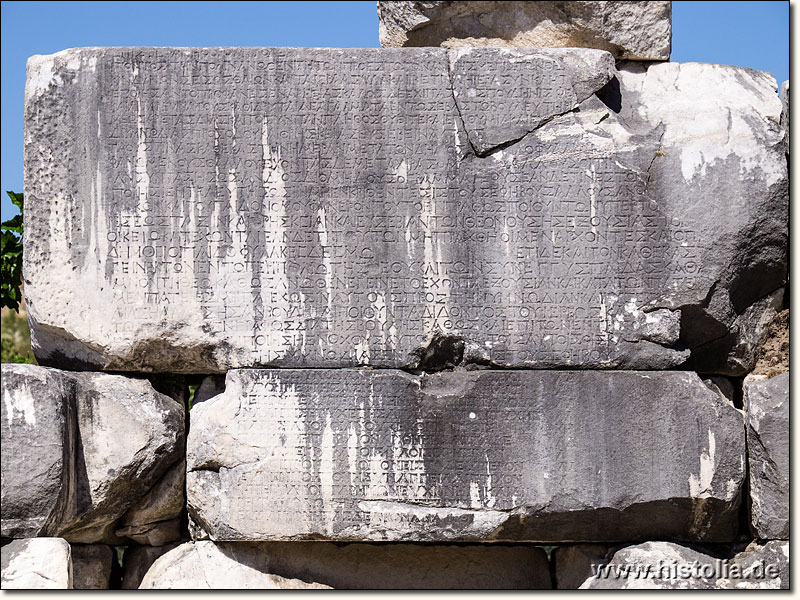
(192, 392)
(11, 257)
(15, 339)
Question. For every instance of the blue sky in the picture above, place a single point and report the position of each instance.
(748, 34)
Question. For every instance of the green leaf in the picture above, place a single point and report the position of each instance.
(17, 198)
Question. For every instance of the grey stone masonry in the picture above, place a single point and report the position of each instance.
(193, 210)
(545, 456)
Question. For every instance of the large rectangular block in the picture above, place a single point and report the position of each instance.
(546, 456)
(195, 210)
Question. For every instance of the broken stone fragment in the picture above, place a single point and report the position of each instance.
(203, 565)
(155, 519)
(632, 30)
(43, 563)
(107, 441)
(91, 566)
(356, 566)
(534, 208)
(767, 409)
(380, 455)
(480, 80)
(666, 565)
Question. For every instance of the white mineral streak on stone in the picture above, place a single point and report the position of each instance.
(142, 177)
(700, 486)
(491, 501)
(273, 181)
(474, 495)
(322, 231)
(19, 400)
(705, 121)
(327, 468)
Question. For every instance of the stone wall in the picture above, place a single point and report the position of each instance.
(488, 315)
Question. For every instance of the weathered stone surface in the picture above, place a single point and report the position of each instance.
(335, 208)
(665, 565)
(772, 353)
(137, 560)
(785, 112)
(576, 563)
(36, 564)
(91, 566)
(759, 567)
(37, 478)
(203, 565)
(634, 30)
(107, 440)
(155, 519)
(363, 566)
(472, 455)
(729, 162)
(767, 408)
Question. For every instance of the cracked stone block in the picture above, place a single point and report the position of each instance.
(574, 564)
(106, 442)
(43, 563)
(536, 456)
(358, 566)
(91, 566)
(400, 208)
(721, 147)
(632, 30)
(666, 565)
(767, 410)
(137, 560)
(204, 566)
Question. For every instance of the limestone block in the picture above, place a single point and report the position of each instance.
(542, 456)
(38, 438)
(767, 407)
(402, 208)
(41, 563)
(374, 566)
(633, 30)
(206, 566)
(102, 443)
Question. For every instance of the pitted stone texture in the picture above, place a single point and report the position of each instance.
(339, 208)
(767, 409)
(204, 566)
(386, 566)
(43, 563)
(721, 148)
(633, 30)
(576, 563)
(91, 566)
(116, 439)
(137, 560)
(544, 456)
(665, 565)
(38, 436)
